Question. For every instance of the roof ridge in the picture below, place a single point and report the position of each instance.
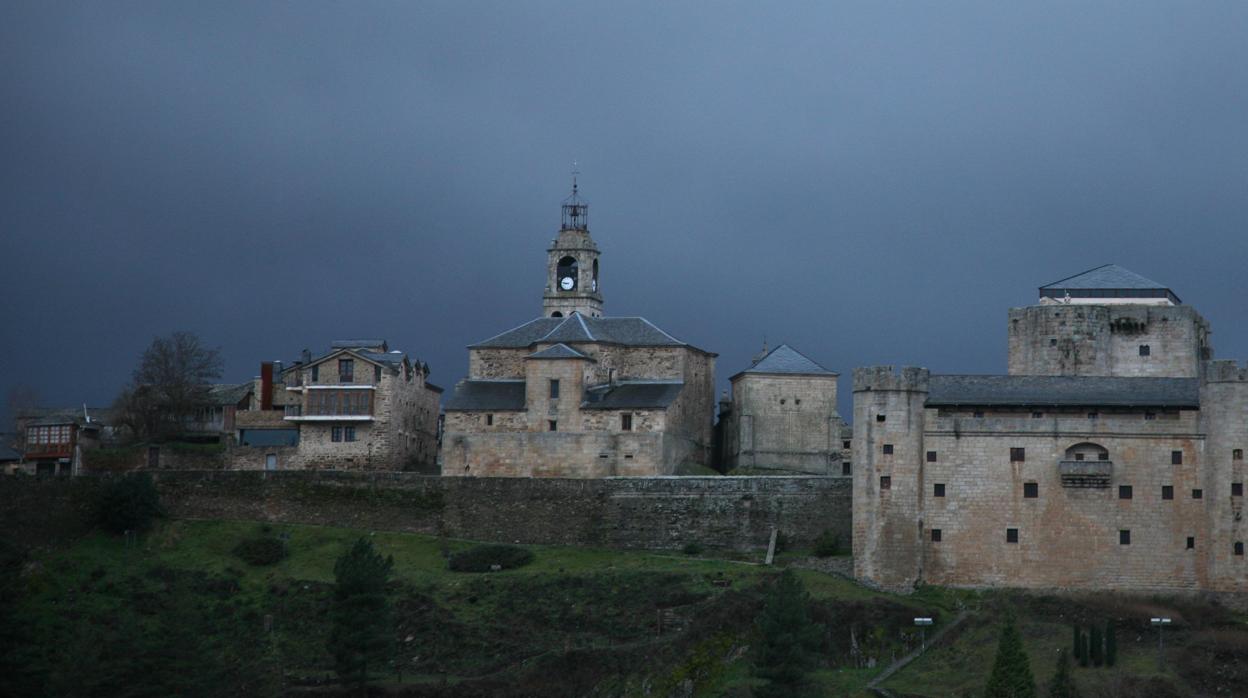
(523, 324)
(1085, 271)
(660, 330)
(585, 327)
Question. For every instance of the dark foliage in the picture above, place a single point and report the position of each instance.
(361, 637)
(1096, 647)
(1063, 684)
(788, 639)
(170, 384)
(1011, 671)
(487, 558)
(828, 544)
(691, 549)
(129, 503)
(258, 552)
(1111, 644)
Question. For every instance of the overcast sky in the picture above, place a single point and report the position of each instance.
(871, 182)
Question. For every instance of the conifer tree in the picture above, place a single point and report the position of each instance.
(1096, 647)
(1063, 684)
(1011, 671)
(1076, 642)
(789, 639)
(1083, 649)
(362, 633)
(1111, 644)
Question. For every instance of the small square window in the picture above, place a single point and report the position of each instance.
(781, 401)
(1037, 415)
(1124, 491)
(335, 434)
(1011, 535)
(938, 489)
(1237, 454)
(881, 417)
(1145, 350)
(977, 414)
(1031, 490)
(626, 422)
(1198, 494)
(888, 449)
(1239, 547)
(348, 433)
(1093, 415)
(1237, 489)
(1176, 458)
(1078, 456)
(1191, 542)
(1052, 341)
(1103, 455)
(935, 535)
(1018, 455)
(1150, 416)
(1167, 491)
(846, 444)
(886, 482)
(846, 468)
(797, 401)
(1124, 537)
(931, 456)
(553, 425)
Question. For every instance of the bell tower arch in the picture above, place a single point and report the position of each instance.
(572, 283)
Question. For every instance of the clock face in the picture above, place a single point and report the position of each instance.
(566, 283)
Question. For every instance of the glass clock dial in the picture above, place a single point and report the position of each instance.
(566, 283)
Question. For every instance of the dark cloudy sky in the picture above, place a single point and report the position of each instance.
(872, 182)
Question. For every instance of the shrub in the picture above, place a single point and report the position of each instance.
(487, 558)
(261, 551)
(691, 549)
(129, 503)
(782, 542)
(828, 544)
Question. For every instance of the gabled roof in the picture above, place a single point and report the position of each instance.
(487, 395)
(1107, 278)
(388, 360)
(45, 416)
(229, 393)
(627, 331)
(632, 395)
(358, 344)
(786, 360)
(1063, 391)
(559, 351)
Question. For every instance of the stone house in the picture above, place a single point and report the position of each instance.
(782, 418)
(576, 394)
(52, 441)
(1109, 457)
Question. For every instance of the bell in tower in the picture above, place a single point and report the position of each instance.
(572, 264)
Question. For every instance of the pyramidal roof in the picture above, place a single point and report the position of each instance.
(627, 331)
(786, 359)
(1107, 281)
(558, 351)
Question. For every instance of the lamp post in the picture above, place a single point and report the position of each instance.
(922, 623)
(1161, 624)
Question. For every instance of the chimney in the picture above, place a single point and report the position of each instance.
(306, 356)
(266, 385)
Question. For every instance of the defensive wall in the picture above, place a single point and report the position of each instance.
(645, 512)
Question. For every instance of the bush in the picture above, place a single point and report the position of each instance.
(782, 542)
(828, 544)
(129, 503)
(262, 551)
(691, 549)
(487, 558)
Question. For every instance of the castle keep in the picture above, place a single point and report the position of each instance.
(1110, 456)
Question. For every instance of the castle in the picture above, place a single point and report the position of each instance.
(1110, 456)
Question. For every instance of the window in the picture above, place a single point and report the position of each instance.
(376, 374)
(886, 482)
(1124, 537)
(626, 422)
(1037, 415)
(1103, 455)
(1167, 491)
(931, 456)
(1191, 542)
(316, 373)
(881, 417)
(1011, 535)
(1018, 455)
(1198, 494)
(938, 489)
(1150, 416)
(1078, 456)
(1093, 415)
(846, 444)
(781, 401)
(335, 434)
(977, 414)
(554, 390)
(553, 425)
(1239, 547)
(346, 370)
(846, 468)
(1237, 489)
(348, 433)
(1031, 490)
(888, 449)
(935, 535)
(1124, 491)
(1145, 350)
(489, 420)
(1052, 341)
(1176, 458)
(797, 401)
(1237, 454)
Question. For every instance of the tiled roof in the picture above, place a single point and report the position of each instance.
(786, 359)
(487, 395)
(1106, 276)
(559, 351)
(638, 395)
(1071, 391)
(628, 331)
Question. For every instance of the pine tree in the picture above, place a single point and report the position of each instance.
(789, 639)
(1111, 644)
(1063, 684)
(1011, 671)
(1095, 646)
(362, 635)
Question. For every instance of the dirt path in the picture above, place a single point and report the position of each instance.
(901, 663)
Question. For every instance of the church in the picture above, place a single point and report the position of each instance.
(576, 393)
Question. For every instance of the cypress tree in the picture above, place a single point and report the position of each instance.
(1111, 644)
(1076, 642)
(789, 639)
(1063, 684)
(1097, 649)
(362, 633)
(1011, 671)
(1083, 649)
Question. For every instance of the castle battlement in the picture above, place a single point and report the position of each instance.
(1226, 371)
(906, 378)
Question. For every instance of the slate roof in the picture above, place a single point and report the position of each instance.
(627, 331)
(229, 393)
(45, 416)
(559, 351)
(787, 360)
(635, 396)
(1059, 391)
(356, 343)
(487, 395)
(1108, 277)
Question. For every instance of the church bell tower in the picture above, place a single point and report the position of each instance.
(572, 264)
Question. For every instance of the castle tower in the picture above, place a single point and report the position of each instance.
(572, 264)
(1223, 401)
(888, 475)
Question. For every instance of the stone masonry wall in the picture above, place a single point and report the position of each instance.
(787, 423)
(652, 513)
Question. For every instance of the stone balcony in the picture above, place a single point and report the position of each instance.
(1086, 473)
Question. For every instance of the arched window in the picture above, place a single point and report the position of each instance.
(1087, 451)
(556, 314)
(595, 275)
(566, 274)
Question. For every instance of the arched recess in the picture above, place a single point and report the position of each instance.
(1086, 450)
(567, 269)
(556, 314)
(595, 275)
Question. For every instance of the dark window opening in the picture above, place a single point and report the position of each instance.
(1078, 456)
(348, 433)
(797, 401)
(1176, 458)
(1017, 454)
(1191, 542)
(846, 444)
(978, 415)
(881, 417)
(1145, 350)
(335, 434)
(489, 420)
(1167, 491)
(938, 489)
(553, 425)
(888, 449)
(1093, 415)
(556, 314)
(1031, 490)
(1150, 416)
(566, 276)
(1124, 537)
(1124, 491)
(1011, 535)
(626, 422)
(935, 535)
(376, 374)
(316, 373)
(1037, 415)
(1237, 489)
(1103, 455)
(554, 390)
(346, 370)
(886, 482)
(846, 468)
(1239, 548)
(1052, 341)
(931, 456)
(781, 401)
(1198, 494)
(1237, 454)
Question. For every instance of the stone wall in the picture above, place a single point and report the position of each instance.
(652, 513)
(786, 423)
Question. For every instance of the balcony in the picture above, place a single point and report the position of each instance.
(1086, 473)
(297, 413)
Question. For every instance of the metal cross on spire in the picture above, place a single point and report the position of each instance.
(576, 170)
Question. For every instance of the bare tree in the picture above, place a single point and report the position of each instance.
(171, 382)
